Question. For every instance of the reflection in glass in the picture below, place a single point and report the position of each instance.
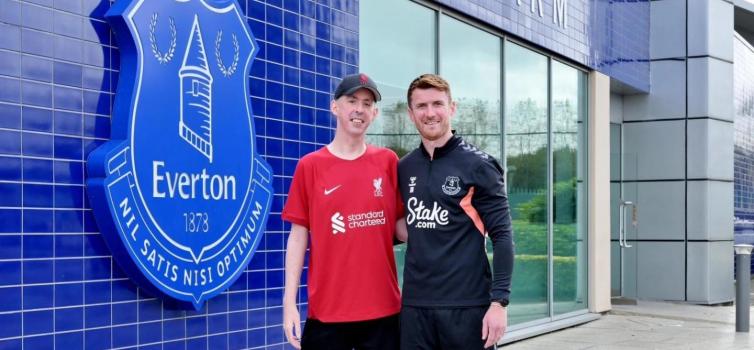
(396, 45)
(569, 225)
(525, 117)
(743, 166)
(470, 61)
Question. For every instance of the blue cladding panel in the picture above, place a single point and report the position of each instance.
(609, 36)
(58, 73)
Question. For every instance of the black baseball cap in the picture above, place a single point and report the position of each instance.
(352, 83)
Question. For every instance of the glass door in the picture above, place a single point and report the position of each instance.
(624, 198)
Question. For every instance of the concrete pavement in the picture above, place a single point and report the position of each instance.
(650, 325)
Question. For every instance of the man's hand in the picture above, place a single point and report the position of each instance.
(494, 324)
(401, 231)
(292, 324)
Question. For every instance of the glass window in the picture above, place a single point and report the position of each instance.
(470, 62)
(544, 136)
(569, 225)
(526, 105)
(397, 44)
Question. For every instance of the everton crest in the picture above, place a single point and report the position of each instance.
(180, 192)
(452, 185)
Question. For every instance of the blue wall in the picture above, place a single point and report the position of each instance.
(609, 36)
(58, 73)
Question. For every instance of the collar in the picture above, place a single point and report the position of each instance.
(452, 143)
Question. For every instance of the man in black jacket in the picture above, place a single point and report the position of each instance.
(454, 196)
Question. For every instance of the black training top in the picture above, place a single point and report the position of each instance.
(450, 202)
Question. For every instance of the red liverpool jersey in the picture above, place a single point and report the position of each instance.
(350, 208)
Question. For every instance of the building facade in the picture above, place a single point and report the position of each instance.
(625, 129)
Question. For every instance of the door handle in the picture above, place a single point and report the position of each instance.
(626, 204)
(621, 208)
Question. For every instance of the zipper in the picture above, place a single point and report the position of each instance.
(429, 178)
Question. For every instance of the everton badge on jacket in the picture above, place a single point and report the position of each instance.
(452, 185)
(180, 192)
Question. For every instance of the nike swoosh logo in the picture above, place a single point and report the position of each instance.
(327, 192)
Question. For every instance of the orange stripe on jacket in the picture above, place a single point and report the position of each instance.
(471, 211)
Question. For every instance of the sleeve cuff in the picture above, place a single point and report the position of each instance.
(503, 302)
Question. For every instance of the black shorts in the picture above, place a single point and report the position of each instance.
(377, 334)
(442, 328)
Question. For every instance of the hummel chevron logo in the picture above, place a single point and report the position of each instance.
(337, 223)
(327, 192)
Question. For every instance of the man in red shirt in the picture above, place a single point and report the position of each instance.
(344, 199)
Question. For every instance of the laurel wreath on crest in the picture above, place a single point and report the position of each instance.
(167, 56)
(227, 71)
